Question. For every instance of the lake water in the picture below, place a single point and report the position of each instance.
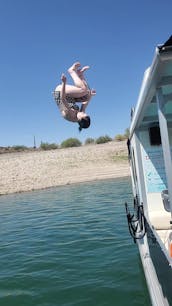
(70, 246)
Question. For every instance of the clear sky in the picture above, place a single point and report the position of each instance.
(40, 39)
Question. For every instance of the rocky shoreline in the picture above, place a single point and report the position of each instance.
(28, 171)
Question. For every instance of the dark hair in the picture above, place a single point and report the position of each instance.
(84, 123)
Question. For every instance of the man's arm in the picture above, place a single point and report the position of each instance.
(63, 91)
(63, 95)
(85, 103)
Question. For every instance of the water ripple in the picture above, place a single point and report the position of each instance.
(69, 246)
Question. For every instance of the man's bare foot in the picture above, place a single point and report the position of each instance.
(74, 67)
(83, 69)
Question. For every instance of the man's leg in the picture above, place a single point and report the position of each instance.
(73, 91)
(78, 75)
(81, 88)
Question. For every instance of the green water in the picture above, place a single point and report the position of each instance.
(70, 246)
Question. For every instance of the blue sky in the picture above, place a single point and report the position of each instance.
(40, 39)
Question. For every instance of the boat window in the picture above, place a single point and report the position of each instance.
(154, 136)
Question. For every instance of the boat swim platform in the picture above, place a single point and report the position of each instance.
(158, 216)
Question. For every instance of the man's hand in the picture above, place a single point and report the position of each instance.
(63, 95)
(63, 78)
(93, 92)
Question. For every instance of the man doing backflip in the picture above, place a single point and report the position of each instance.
(66, 96)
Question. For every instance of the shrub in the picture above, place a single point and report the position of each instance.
(71, 142)
(89, 141)
(48, 146)
(127, 133)
(120, 137)
(103, 139)
(19, 148)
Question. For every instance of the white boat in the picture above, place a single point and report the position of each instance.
(150, 148)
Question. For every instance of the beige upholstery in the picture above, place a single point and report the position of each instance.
(158, 216)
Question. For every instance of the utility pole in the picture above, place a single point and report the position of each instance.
(34, 145)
